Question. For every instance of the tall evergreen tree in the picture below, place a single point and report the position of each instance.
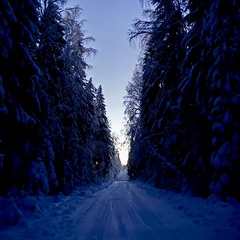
(223, 31)
(7, 18)
(194, 124)
(47, 107)
(76, 112)
(21, 141)
(86, 130)
(49, 60)
(132, 112)
(190, 123)
(105, 150)
(115, 166)
(159, 92)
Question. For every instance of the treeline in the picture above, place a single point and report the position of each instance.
(183, 103)
(54, 133)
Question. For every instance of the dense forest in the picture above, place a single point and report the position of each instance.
(54, 132)
(183, 102)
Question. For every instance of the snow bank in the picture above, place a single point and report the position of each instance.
(58, 217)
(212, 214)
(41, 214)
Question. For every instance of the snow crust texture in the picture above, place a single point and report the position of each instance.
(124, 210)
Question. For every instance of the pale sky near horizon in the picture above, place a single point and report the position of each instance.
(108, 21)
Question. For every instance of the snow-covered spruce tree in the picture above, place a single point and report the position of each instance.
(23, 165)
(104, 151)
(7, 18)
(194, 126)
(132, 112)
(159, 96)
(115, 166)
(87, 126)
(49, 53)
(223, 42)
(75, 110)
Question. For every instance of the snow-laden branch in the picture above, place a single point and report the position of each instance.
(164, 159)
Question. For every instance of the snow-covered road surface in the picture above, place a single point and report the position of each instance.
(125, 211)
(128, 210)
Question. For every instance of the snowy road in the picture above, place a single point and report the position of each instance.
(126, 210)
(123, 211)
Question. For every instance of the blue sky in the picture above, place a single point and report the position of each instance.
(108, 21)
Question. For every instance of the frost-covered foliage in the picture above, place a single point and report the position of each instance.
(49, 122)
(132, 103)
(104, 148)
(223, 29)
(116, 165)
(158, 97)
(189, 125)
(193, 110)
(20, 80)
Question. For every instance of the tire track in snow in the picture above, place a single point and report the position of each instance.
(106, 213)
(123, 211)
(128, 211)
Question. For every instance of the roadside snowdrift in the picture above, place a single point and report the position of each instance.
(118, 205)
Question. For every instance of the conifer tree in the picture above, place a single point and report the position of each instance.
(191, 123)
(132, 102)
(76, 112)
(115, 166)
(223, 76)
(21, 140)
(105, 150)
(194, 125)
(7, 18)
(159, 92)
(49, 60)
(86, 119)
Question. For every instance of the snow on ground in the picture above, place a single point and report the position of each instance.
(123, 175)
(120, 210)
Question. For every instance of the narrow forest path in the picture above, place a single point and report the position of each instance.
(125, 211)
(128, 210)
